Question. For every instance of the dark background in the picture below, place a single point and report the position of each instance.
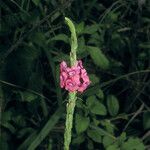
(114, 45)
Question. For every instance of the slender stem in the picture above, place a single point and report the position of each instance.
(72, 95)
(69, 120)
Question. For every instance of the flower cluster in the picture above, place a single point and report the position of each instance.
(73, 78)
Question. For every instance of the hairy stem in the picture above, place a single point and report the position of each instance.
(72, 95)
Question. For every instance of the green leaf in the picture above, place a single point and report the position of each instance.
(96, 39)
(79, 28)
(96, 122)
(81, 45)
(98, 109)
(28, 96)
(81, 123)
(91, 29)
(113, 105)
(79, 103)
(95, 136)
(90, 145)
(90, 101)
(100, 94)
(102, 131)
(122, 138)
(91, 91)
(61, 57)
(98, 57)
(146, 120)
(107, 141)
(79, 139)
(94, 79)
(112, 16)
(108, 125)
(133, 144)
(113, 147)
(95, 106)
(36, 2)
(60, 37)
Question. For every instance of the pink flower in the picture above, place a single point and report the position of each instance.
(84, 81)
(73, 78)
(63, 66)
(63, 78)
(71, 85)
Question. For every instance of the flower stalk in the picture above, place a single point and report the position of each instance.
(72, 95)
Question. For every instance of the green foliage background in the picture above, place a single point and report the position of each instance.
(114, 44)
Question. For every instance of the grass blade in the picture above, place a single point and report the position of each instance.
(46, 129)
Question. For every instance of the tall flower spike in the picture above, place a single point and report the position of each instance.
(73, 79)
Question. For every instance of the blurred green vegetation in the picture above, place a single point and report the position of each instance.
(114, 44)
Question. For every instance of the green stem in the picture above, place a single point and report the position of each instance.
(69, 120)
(72, 95)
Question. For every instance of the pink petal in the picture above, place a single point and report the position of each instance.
(71, 85)
(63, 66)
